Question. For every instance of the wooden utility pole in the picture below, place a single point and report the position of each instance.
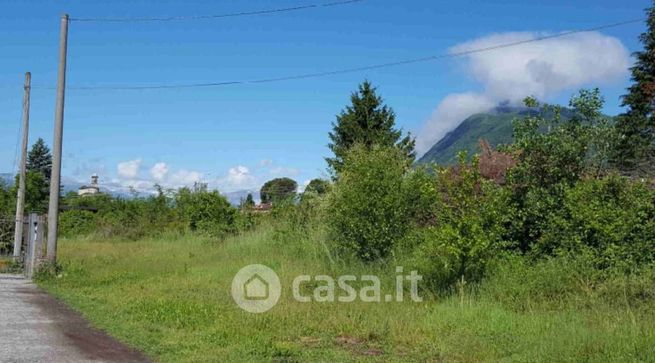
(55, 180)
(20, 198)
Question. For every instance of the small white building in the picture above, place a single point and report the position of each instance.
(92, 189)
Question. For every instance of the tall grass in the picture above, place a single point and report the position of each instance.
(170, 297)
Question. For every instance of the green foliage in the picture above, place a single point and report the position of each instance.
(37, 178)
(367, 210)
(249, 202)
(207, 212)
(278, 189)
(7, 201)
(637, 126)
(39, 159)
(612, 220)
(186, 210)
(367, 122)
(467, 229)
(318, 187)
(36, 192)
(553, 154)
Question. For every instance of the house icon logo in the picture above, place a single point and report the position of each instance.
(256, 288)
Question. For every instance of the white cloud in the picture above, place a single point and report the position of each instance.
(129, 169)
(541, 69)
(449, 113)
(237, 178)
(184, 177)
(159, 171)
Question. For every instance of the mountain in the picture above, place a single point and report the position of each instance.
(494, 126)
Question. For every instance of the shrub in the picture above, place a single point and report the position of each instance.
(207, 212)
(553, 153)
(367, 208)
(612, 218)
(471, 214)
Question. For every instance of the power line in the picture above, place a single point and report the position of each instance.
(355, 69)
(217, 16)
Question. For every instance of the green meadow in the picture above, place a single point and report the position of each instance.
(170, 297)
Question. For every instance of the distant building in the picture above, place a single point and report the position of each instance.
(92, 189)
(263, 207)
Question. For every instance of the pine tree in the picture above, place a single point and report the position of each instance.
(367, 121)
(249, 202)
(39, 170)
(636, 127)
(39, 159)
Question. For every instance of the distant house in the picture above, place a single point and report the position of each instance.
(92, 189)
(263, 207)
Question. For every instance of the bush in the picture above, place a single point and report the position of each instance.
(553, 153)
(367, 208)
(471, 214)
(613, 219)
(206, 212)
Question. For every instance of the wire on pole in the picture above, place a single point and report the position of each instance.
(216, 16)
(354, 69)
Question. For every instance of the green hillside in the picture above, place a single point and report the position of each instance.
(494, 126)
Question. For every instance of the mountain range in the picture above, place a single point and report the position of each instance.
(496, 126)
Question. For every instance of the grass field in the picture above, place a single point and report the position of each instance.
(170, 297)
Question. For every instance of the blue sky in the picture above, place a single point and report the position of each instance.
(237, 137)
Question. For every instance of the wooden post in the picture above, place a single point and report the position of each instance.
(20, 198)
(55, 180)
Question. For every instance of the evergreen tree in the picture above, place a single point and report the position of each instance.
(367, 121)
(249, 202)
(637, 126)
(39, 159)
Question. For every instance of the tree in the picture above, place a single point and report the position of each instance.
(37, 178)
(368, 212)
(637, 125)
(249, 202)
(278, 189)
(39, 159)
(553, 154)
(317, 186)
(367, 121)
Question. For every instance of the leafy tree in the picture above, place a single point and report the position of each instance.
(636, 149)
(278, 189)
(367, 211)
(317, 186)
(553, 154)
(36, 192)
(367, 121)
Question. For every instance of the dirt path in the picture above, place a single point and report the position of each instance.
(35, 327)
